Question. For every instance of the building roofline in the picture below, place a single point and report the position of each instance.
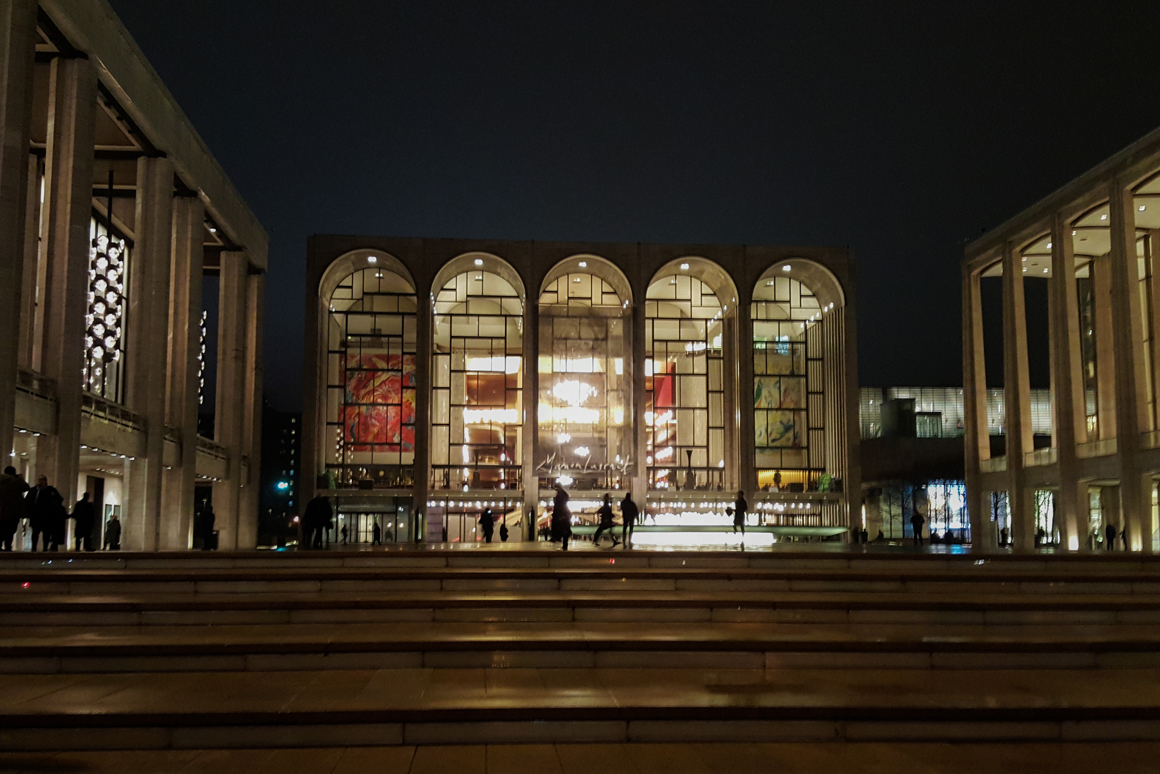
(94, 28)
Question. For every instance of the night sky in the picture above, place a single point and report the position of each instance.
(899, 129)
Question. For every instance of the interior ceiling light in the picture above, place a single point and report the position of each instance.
(1104, 217)
(372, 259)
(785, 268)
(684, 267)
(479, 262)
(583, 264)
(1142, 208)
(1049, 245)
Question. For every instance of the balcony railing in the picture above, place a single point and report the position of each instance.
(469, 477)
(993, 465)
(114, 413)
(207, 446)
(35, 384)
(1104, 448)
(1040, 457)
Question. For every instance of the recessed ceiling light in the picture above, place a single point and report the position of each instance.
(785, 268)
(479, 262)
(684, 267)
(1045, 271)
(1025, 258)
(1142, 208)
(1104, 217)
(583, 264)
(1049, 245)
(372, 259)
(1073, 233)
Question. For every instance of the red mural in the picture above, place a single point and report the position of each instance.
(379, 410)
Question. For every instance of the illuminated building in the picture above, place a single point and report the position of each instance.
(448, 376)
(114, 214)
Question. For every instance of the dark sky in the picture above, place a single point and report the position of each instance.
(899, 129)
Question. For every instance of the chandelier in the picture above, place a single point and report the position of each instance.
(104, 334)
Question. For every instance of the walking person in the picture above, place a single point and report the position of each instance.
(503, 530)
(1110, 537)
(1124, 536)
(487, 524)
(12, 490)
(43, 503)
(376, 534)
(916, 522)
(315, 520)
(343, 534)
(739, 510)
(113, 534)
(84, 518)
(561, 517)
(628, 516)
(605, 514)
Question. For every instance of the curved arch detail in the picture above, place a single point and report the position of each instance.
(348, 263)
(488, 262)
(820, 280)
(708, 271)
(597, 266)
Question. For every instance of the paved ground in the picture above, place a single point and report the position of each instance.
(833, 758)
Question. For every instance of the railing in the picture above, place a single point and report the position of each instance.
(35, 384)
(1104, 448)
(173, 434)
(469, 477)
(212, 449)
(113, 413)
(372, 476)
(1040, 457)
(993, 465)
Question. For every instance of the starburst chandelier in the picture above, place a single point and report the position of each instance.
(104, 335)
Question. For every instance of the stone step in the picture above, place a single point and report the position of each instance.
(573, 646)
(433, 707)
(142, 609)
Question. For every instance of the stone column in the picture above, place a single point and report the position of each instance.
(178, 482)
(1152, 248)
(639, 403)
(230, 414)
(32, 265)
(1101, 274)
(424, 333)
(1017, 400)
(531, 404)
(68, 196)
(17, 46)
(251, 444)
(1067, 379)
(747, 443)
(148, 355)
(977, 441)
(1131, 406)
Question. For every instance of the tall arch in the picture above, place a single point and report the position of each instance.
(691, 377)
(584, 343)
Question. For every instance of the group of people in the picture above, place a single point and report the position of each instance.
(43, 507)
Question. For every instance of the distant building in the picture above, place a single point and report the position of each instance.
(1090, 249)
(277, 498)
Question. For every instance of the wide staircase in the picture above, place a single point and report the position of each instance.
(418, 648)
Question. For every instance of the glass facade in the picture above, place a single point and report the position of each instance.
(371, 381)
(684, 385)
(477, 384)
(584, 434)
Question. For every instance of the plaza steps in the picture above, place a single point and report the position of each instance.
(441, 647)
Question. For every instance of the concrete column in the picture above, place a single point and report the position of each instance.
(17, 47)
(424, 333)
(251, 443)
(147, 359)
(32, 265)
(230, 415)
(531, 404)
(178, 483)
(747, 445)
(68, 196)
(1017, 399)
(639, 403)
(1067, 379)
(1101, 274)
(730, 377)
(1152, 248)
(977, 442)
(1131, 405)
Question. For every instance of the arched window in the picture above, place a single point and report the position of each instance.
(370, 389)
(788, 384)
(685, 411)
(477, 408)
(584, 439)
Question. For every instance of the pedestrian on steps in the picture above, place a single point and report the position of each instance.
(43, 503)
(605, 514)
(12, 489)
(916, 522)
(487, 524)
(376, 534)
(85, 519)
(1110, 537)
(561, 517)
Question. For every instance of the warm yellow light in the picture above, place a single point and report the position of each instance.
(491, 416)
(510, 364)
(575, 415)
